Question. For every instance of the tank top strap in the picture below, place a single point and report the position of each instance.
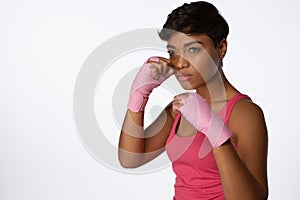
(173, 130)
(226, 111)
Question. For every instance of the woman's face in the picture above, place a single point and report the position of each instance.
(195, 58)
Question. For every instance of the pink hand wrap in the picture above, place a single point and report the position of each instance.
(197, 111)
(142, 86)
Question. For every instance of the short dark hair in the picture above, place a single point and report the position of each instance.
(196, 18)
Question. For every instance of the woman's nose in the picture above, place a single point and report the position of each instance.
(179, 63)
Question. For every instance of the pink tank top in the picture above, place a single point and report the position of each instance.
(196, 178)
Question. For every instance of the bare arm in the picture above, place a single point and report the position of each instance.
(138, 146)
(244, 173)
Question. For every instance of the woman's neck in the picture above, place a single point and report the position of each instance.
(217, 89)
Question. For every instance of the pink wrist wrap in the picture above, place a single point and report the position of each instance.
(197, 111)
(142, 86)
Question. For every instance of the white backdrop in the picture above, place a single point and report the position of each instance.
(43, 45)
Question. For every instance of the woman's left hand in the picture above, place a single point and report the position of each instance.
(198, 112)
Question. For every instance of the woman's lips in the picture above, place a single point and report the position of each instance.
(183, 77)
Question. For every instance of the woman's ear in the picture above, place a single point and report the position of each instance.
(222, 48)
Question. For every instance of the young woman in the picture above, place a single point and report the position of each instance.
(215, 137)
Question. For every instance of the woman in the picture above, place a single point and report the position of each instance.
(215, 137)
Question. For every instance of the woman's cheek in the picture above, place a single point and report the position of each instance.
(206, 67)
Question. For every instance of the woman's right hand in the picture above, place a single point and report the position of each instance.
(153, 72)
(160, 68)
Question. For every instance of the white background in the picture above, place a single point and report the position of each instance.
(42, 47)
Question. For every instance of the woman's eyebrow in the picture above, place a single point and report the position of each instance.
(171, 46)
(193, 42)
(186, 44)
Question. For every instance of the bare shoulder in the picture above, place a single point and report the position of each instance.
(247, 122)
(250, 135)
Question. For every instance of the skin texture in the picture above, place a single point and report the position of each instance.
(243, 172)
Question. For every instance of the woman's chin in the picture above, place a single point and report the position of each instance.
(186, 86)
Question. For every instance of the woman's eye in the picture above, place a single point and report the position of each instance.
(171, 52)
(194, 50)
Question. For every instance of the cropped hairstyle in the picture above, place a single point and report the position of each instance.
(196, 18)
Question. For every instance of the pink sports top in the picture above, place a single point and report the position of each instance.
(196, 177)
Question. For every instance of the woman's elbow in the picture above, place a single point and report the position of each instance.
(129, 161)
